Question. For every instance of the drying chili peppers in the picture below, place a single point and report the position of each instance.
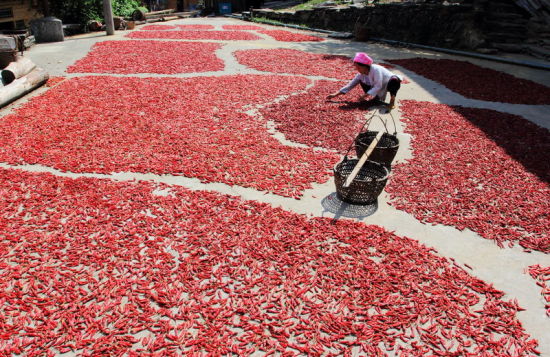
(297, 62)
(157, 27)
(472, 81)
(309, 119)
(242, 27)
(287, 36)
(112, 268)
(175, 27)
(478, 169)
(163, 57)
(542, 277)
(195, 35)
(165, 126)
(55, 80)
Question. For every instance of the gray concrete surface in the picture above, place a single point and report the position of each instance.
(504, 268)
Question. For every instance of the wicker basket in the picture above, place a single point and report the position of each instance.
(385, 150)
(367, 185)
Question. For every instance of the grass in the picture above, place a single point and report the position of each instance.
(310, 4)
(265, 20)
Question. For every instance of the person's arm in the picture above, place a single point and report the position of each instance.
(355, 81)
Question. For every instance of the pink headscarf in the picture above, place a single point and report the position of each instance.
(362, 57)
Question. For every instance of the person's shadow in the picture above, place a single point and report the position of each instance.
(359, 105)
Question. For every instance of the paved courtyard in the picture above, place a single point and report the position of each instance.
(170, 191)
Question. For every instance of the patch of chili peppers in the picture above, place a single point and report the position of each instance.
(542, 277)
(195, 27)
(175, 27)
(157, 27)
(287, 36)
(163, 57)
(478, 169)
(195, 35)
(186, 127)
(475, 82)
(97, 267)
(310, 119)
(297, 62)
(53, 81)
(242, 27)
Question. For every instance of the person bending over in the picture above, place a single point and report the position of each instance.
(375, 80)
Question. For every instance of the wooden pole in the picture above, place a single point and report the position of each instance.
(363, 159)
(17, 69)
(22, 86)
(108, 15)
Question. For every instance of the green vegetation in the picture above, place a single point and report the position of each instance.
(82, 11)
(310, 4)
(265, 20)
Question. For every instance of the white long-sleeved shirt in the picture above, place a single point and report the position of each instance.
(378, 78)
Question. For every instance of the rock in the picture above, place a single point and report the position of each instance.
(94, 25)
(487, 51)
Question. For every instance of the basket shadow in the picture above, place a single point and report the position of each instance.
(339, 208)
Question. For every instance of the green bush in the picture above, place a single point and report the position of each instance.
(125, 8)
(82, 11)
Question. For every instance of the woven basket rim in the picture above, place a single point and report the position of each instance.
(386, 171)
(368, 133)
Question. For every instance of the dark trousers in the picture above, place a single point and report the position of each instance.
(393, 86)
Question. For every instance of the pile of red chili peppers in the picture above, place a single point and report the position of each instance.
(109, 268)
(79, 126)
(99, 267)
(478, 169)
(542, 277)
(163, 57)
(475, 82)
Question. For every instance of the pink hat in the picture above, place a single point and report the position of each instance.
(362, 57)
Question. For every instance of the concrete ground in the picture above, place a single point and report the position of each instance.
(502, 267)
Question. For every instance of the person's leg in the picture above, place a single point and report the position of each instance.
(393, 86)
(365, 87)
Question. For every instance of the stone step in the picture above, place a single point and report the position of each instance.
(509, 17)
(508, 47)
(538, 51)
(504, 8)
(506, 37)
(506, 26)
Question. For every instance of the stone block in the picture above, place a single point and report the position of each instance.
(47, 29)
(7, 44)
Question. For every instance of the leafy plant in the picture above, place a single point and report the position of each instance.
(82, 11)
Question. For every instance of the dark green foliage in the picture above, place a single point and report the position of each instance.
(82, 11)
(125, 7)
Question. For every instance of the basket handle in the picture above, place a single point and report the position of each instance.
(394, 125)
(384, 122)
(363, 159)
(364, 126)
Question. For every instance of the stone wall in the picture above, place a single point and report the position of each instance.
(453, 26)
